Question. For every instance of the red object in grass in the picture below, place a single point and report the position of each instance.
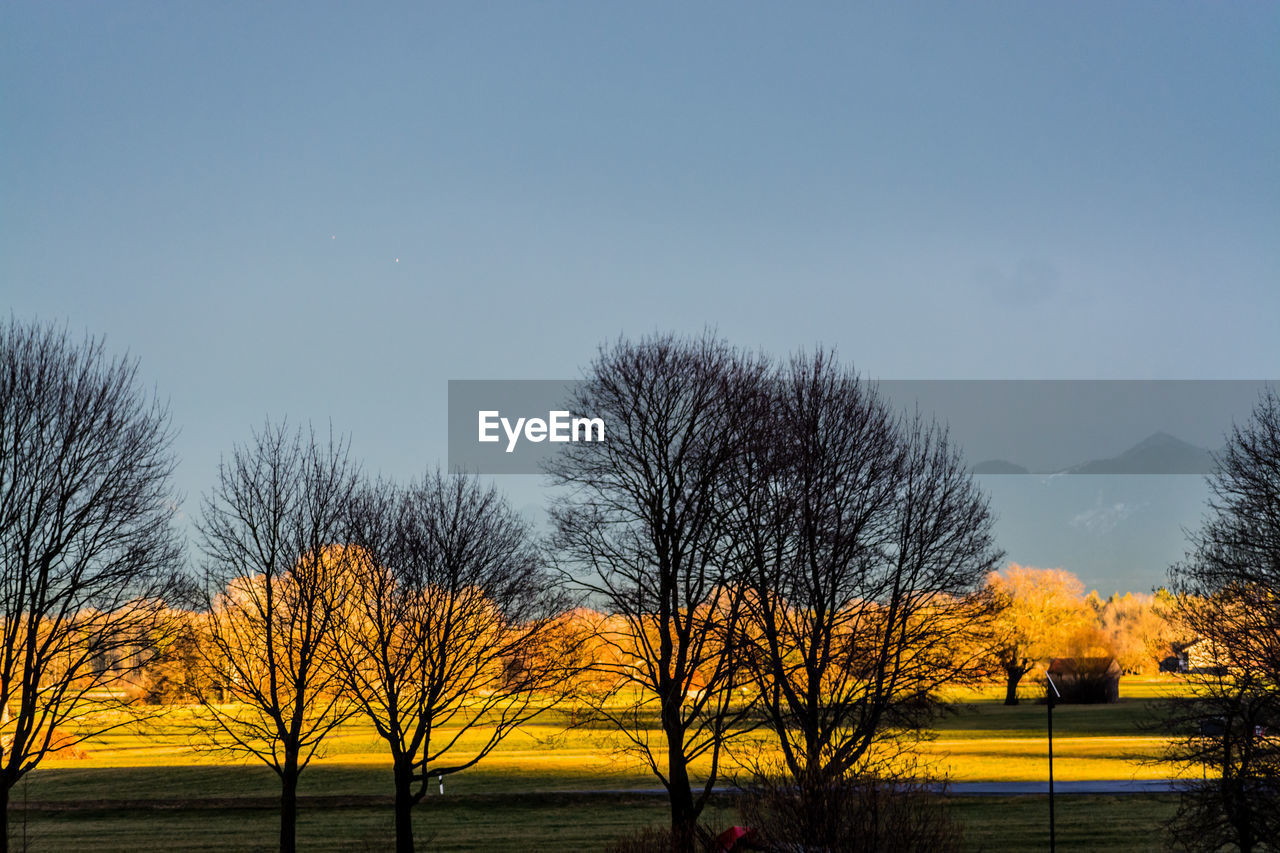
(728, 841)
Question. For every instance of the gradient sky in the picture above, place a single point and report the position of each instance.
(327, 211)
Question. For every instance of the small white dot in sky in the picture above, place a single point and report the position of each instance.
(333, 236)
(397, 260)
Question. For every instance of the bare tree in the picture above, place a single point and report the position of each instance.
(1228, 596)
(272, 538)
(448, 621)
(641, 521)
(878, 542)
(87, 549)
(864, 543)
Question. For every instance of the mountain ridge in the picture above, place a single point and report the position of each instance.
(1158, 453)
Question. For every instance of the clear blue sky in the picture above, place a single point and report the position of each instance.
(975, 190)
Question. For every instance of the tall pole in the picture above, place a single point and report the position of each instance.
(1049, 697)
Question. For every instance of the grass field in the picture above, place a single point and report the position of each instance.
(550, 788)
(527, 823)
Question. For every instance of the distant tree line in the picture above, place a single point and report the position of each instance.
(1044, 614)
(1038, 615)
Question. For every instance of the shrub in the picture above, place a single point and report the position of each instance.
(857, 813)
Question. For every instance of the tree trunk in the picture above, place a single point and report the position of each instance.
(404, 806)
(813, 806)
(1234, 798)
(4, 818)
(1015, 674)
(684, 817)
(289, 804)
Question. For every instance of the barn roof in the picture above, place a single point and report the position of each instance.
(1077, 666)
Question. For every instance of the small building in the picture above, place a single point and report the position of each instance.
(1202, 657)
(1086, 681)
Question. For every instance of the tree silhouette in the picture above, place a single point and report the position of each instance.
(641, 522)
(863, 544)
(272, 535)
(447, 627)
(87, 549)
(1228, 596)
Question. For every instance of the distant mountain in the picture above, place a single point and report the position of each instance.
(1159, 453)
(998, 466)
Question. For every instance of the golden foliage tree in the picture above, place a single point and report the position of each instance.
(1042, 614)
(1134, 630)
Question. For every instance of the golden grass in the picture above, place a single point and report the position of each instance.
(983, 742)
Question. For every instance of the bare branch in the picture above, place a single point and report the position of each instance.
(272, 539)
(88, 554)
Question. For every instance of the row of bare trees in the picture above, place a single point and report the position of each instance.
(786, 549)
(775, 547)
(323, 594)
(423, 607)
(780, 547)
